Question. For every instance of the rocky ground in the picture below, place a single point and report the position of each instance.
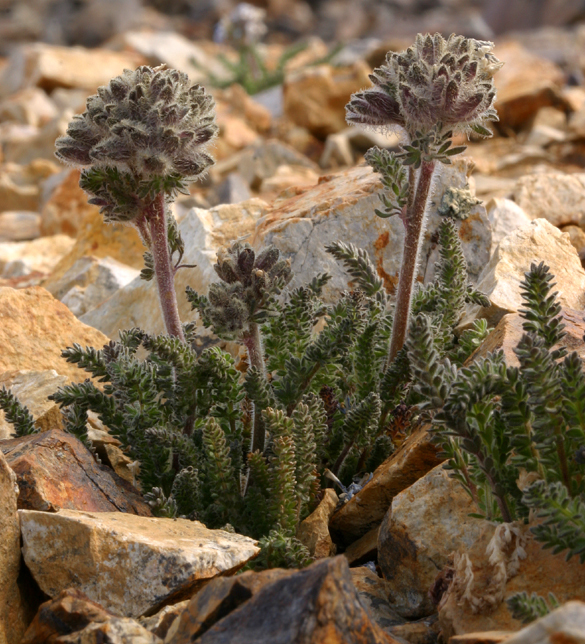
(82, 559)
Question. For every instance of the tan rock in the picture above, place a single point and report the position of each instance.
(204, 232)
(50, 66)
(525, 84)
(484, 606)
(577, 237)
(485, 637)
(565, 624)
(17, 197)
(18, 225)
(366, 509)
(313, 532)
(364, 549)
(556, 197)
(505, 216)
(424, 525)
(509, 331)
(500, 279)
(13, 609)
(56, 471)
(421, 631)
(315, 97)
(35, 328)
(160, 623)
(32, 389)
(287, 176)
(31, 106)
(117, 630)
(66, 210)
(39, 255)
(131, 565)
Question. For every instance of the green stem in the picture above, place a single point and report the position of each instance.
(305, 384)
(414, 225)
(156, 218)
(253, 343)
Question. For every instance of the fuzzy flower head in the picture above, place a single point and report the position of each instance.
(435, 86)
(145, 132)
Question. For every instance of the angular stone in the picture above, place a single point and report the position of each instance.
(315, 97)
(485, 637)
(565, 624)
(366, 509)
(364, 549)
(525, 84)
(374, 595)
(287, 176)
(18, 225)
(30, 106)
(505, 216)
(90, 281)
(421, 631)
(35, 328)
(577, 237)
(160, 623)
(50, 66)
(38, 256)
(131, 565)
(509, 331)
(69, 612)
(342, 206)
(218, 599)
(32, 388)
(317, 605)
(424, 525)
(501, 278)
(313, 532)
(478, 602)
(56, 471)
(17, 196)
(556, 197)
(204, 232)
(117, 630)
(13, 607)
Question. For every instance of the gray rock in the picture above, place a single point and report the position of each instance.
(232, 189)
(90, 281)
(129, 564)
(424, 524)
(505, 216)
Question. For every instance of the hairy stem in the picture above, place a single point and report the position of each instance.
(414, 223)
(253, 344)
(304, 385)
(156, 217)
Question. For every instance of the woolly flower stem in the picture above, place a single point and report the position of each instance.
(414, 225)
(156, 218)
(253, 343)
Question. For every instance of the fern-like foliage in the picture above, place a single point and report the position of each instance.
(528, 608)
(16, 413)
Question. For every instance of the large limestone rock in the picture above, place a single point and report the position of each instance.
(342, 208)
(317, 605)
(13, 609)
(131, 565)
(19, 225)
(500, 280)
(50, 66)
(204, 232)
(32, 388)
(35, 328)
(423, 526)
(476, 598)
(565, 624)
(366, 509)
(37, 256)
(505, 216)
(56, 471)
(555, 196)
(30, 106)
(313, 532)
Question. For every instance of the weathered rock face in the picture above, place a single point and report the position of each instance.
(129, 564)
(363, 550)
(313, 532)
(31, 106)
(56, 471)
(500, 280)
(342, 207)
(556, 197)
(35, 327)
(565, 624)
(13, 608)
(525, 84)
(49, 67)
(160, 623)
(70, 611)
(315, 97)
(204, 232)
(19, 225)
(317, 605)
(374, 593)
(32, 389)
(18, 259)
(505, 216)
(475, 600)
(509, 331)
(117, 630)
(424, 525)
(366, 509)
(577, 237)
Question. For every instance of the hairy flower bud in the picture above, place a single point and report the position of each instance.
(144, 133)
(436, 85)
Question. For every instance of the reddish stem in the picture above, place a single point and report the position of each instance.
(156, 218)
(414, 224)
